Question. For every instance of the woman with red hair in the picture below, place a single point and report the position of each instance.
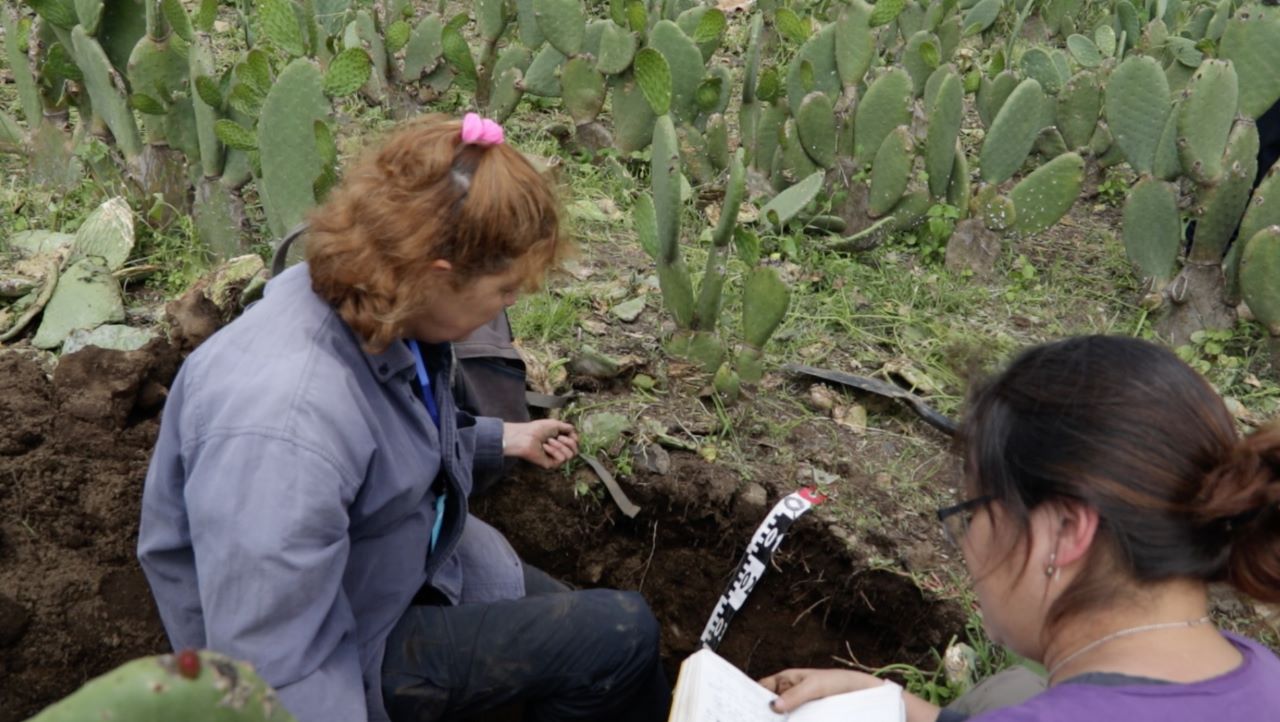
(306, 504)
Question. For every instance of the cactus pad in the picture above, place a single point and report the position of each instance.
(1251, 41)
(789, 203)
(1047, 194)
(1264, 206)
(106, 91)
(1205, 114)
(665, 175)
(582, 88)
(562, 22)
(944, 130)
(286, 139)
(1153, 229)
(347, 72)
(1085, 51)
(1039, 65)
(684, 62)
(1013, 133)
(920, 58)
(506, 94)
(1137, 101)
(1259, 269)
(890, 172)
(885, 106)
(992, 94)
(633, 116)
(617, 49)
(981, 15)
(997, 212)
(813, 69)
(854, 46)
(1079, 104)
(816, 125)
(426, 44)
(765, 298)
(203, 687)
(1222, 204)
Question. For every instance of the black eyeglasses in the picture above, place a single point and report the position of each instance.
(955, 519)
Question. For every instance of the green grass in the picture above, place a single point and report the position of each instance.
(547, 317)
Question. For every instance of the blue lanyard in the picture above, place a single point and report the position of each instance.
(424, 380)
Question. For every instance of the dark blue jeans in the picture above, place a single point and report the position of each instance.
(565, 655)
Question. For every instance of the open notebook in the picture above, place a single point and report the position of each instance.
(710, 689)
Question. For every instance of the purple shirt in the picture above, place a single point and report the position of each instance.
(291, 496)
(1250, 692)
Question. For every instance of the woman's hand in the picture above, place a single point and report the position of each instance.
(794, 687)
(546, 442)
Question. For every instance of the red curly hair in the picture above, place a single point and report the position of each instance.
(422, 196)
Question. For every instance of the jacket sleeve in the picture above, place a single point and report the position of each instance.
(269, 528)
(482, 436)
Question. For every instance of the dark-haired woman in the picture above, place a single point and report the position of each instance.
(1106, 488)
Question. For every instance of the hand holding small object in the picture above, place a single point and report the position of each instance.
(547, 443)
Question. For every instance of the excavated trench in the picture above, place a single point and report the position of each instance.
(74, 604)
(819, 600)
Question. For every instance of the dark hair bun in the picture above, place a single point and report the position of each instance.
(1244, 493)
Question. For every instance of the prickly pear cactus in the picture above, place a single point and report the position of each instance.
(191, 686)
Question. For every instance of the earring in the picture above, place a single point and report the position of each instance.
(1051, 570)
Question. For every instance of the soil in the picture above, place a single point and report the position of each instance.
(74, 602)
(73, 454)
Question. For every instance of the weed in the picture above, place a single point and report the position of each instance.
(975, 659)
(547, 317)
(174, 250)
(929, 239)
(1113, 189)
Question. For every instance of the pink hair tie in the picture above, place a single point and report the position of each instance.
(480, 131)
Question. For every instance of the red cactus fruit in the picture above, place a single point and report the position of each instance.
(188, 663)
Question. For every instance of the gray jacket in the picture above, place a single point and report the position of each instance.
(289, 504)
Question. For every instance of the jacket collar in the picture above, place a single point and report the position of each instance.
(393, 362)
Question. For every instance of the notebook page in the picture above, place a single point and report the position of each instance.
(716, 691)
(877, 704)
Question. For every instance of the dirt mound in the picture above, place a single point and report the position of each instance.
(73, 455)
(74, 603)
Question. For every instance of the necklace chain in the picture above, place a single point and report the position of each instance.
(1124, 633)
